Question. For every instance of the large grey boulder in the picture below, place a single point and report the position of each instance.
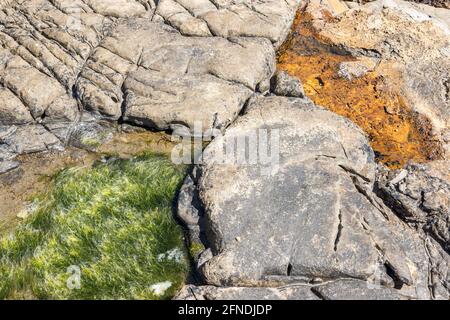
(311, 218)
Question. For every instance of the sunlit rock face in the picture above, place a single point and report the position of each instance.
(63, 62)
(412, 64)
(164, 79)
(353, 85)
(44, 47)
(269, 19)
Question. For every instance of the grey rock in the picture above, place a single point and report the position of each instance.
(188, 211)
(118, 8)
(6, 132)
(181, 18)
(159, 79)
(62, 130)
(191, 292)
(420, 195)
(358, 68)
(129, 128)
(435, 3)
(285, 85)
(350, 289)
(264, 87)
(6, 154)
(44, 45)
(342, 289)
(269, 19)
(12, 110)
(6, 166)
(313, 216)
(113, 61)
(203, 257)
(30, 139)
(396, 32)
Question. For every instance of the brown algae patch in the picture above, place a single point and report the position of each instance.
(33, 177)
(396, 134)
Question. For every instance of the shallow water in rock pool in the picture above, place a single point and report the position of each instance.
(18, 187)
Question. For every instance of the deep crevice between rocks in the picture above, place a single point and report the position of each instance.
(339, 231)
(289, 269)
(398, 283)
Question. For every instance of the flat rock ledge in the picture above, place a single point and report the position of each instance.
(66, 65)
(312, 218)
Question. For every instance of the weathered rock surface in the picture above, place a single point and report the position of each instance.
(282, 84)
(398, 33)
(6, 166)
(44, 46)
(314, 217)
(420, 194)
(159, 78)
(308, 227)
(350, 289)
(270, 19)
(119, 60)
(191, 292)
(435, 3)
(28, 139)
(189, 210)
(358, 68)
(345, 289)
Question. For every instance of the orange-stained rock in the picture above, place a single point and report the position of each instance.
(396, 133)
